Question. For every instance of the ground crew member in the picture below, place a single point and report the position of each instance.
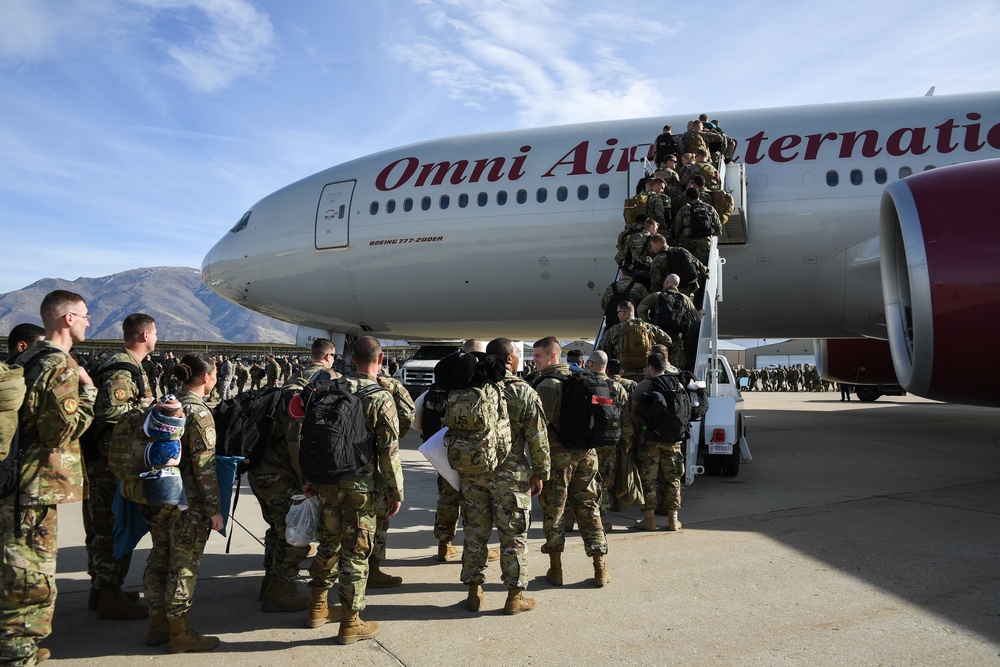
(348, 509)
(503, 497)
(573, 479)
(58, 407)
(118, 394)
(598, 364)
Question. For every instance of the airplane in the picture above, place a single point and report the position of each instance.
(852, 227)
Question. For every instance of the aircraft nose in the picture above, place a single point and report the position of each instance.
(206, 269)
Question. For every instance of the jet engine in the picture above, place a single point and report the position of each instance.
(939, 235)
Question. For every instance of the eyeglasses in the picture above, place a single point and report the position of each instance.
(86, 317)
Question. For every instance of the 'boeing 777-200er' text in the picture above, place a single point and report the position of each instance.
(851, 223)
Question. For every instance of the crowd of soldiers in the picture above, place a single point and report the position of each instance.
(797, 377)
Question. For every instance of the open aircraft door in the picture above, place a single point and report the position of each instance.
(333, 215)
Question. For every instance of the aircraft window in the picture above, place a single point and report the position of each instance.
(562, 193)
(905, 171)
(390, 206)
(582, 192)
(445, 200)
(425, 204)
(482, 199)
(880, 176)
(501, 198)
(832, 178)
(604, 191)
(856, 176)
(373, 209)
(407, 204)
(463, 200)
(928, 167)
(242, 224)
(522, 196)
(541, 195)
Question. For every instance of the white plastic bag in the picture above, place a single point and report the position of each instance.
(302, 520)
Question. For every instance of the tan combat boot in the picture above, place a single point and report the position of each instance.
(279, 596)
(264, 583)
(492, 555)
(516, 602)
(379, 579)
(42, 655)
(112, 604)
(159, 629)
(447, 553)
(601, 575)
(353, 629)
(648, 522)
(673, 523)
(184, 639)
(554, 575)
(320, 611)
(94, 598)
(475, 600)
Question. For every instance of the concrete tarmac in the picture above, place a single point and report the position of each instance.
(863, 534)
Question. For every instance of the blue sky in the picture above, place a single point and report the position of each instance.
(137, 132)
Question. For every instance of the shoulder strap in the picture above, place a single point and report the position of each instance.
(134, 370)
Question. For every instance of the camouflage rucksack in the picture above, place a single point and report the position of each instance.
(633, 207)
(11, 397)
(723, 204)
(479, 436)
(634, 344)
(126, 454)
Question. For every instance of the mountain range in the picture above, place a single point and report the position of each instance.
(183, 307)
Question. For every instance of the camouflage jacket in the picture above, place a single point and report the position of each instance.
(621, 398)
(272, 370)
(658, 208)
(201, 482)
(635, 295)
(117, 394)
(528, 428)
(676, 260)
(647, 309)
(612, 338)
(382, 421)
(548, 384)
(56, 410)
(404, 403)
(682, 224)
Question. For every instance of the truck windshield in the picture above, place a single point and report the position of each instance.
(435, 351)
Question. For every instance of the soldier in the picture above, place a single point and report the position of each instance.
(274, 481)
(665, 144)
(272, 370)
(242, 375)
(153, 371)
(607, 457)
(256, 375)
(404, 412)
(693, 139)
(626, 289)
(671, 259)
(658, 308)
(573, 479)
(630, 341)
(658, 204)
(658, 458)
(225, 377)
(21, 338)
(168, 383)
(179, 535)
(615, 373)
(123, 386)
(672, 179)
(348, 514)
(58, 407)
(503, 497)
(696, 224)
(708, 172)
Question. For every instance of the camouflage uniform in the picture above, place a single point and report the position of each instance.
(659, 458)
(404, 412)
(606, 456)
(242, 375)
(699, 247)
(503, 497)
(347, 522)
(694, 141)
(611, 343)
(573, 479)
(680, 262)
(274, 481)
(225, 379)
(658, 208)
(117, 395)
(179, 535)
(636, 294)
(56, 410)
(675, 350)
(272, 370)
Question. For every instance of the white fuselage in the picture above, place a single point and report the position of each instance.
(326, 252)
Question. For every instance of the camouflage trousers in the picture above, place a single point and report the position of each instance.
(345, 533)
(28, 593)
(179, 539)
(495, 499)
(607, 460)
(574, 481)
(446, 516)
(675, 351)
(106, 571)
(381, 522)
(224, 385)
(274, 491)
(661, 458)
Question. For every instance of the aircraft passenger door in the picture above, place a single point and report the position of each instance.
(333, 215)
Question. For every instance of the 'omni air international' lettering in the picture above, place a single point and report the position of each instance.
(400, 172)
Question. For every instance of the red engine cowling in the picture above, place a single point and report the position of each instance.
(855, 361)
(940, 259)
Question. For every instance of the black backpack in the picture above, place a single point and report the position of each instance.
(671, 314)
(588, 415)
(665, 408)
(245, 424)
(617, 298)
(701, 221)
(432, 418)
(334, 443)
